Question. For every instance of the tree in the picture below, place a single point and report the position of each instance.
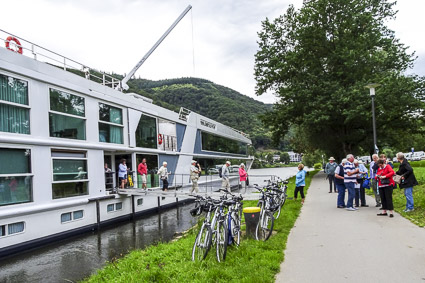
(285, 158)
(318, 59)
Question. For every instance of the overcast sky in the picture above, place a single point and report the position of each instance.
(217, 40)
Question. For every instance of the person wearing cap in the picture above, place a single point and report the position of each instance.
(225, 183)
(330, 171)
(243, 176)
(163, 175)
(339, 181)
(194, 176)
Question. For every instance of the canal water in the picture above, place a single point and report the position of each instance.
(76, 258)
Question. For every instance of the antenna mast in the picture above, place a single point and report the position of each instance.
(123, 83)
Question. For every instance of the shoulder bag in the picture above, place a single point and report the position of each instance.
(397, 179)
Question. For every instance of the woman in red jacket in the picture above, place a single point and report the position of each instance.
(385, 184)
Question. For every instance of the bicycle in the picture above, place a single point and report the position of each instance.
(203, 239)
(234, 218)
(268, 207)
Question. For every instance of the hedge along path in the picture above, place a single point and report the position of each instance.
(252, 261)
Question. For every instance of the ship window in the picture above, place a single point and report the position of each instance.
(15, 176)
(2, 230)
(15, 228)
(167, 130)
(110, 124)
(140, 201)
(14, 110)
(78, 214)
(65, 115)
(221, 144)
(70, 173)
(110, 207)
(65, 217)
(146, 132)
(118, 206)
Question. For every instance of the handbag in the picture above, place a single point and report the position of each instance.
(247, 181)
(385, 181)
(397, 179)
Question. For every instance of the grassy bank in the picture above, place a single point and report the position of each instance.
(399, 200)
(252, 261)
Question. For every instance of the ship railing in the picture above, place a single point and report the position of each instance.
(42, 54)
(207, 184)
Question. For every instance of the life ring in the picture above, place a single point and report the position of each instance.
(18, 44)
(159, 139)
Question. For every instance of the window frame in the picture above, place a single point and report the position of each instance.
(68, 150)
(111, 123)
(222, 152)
(6, 229)
(29, 83)
(21, 174)
(156, 128)
(72, 216)
(49, 87)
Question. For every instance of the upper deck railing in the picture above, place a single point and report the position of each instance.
(42, 54)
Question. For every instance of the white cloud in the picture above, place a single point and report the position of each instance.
(113, 35)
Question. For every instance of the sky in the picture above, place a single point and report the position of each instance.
(216, 41)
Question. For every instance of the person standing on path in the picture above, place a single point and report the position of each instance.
(339, 181)
(330, 171)
(363, 174)
(385, 184)
(374, 184)
(300, 182)
(350, 174)
(225, 183)
(408, 180)
(194, 177)
(243, 176)
(143, 171)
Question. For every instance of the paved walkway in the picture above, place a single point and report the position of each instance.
(328, 244)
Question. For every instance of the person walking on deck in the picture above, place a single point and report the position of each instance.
(225, 183)
(330, 171)
(143, 171)
(373, 182)
(350, 173)
(339, 181)
(194, 177)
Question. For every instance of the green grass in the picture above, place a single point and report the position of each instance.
(399, 200)
(252, 261)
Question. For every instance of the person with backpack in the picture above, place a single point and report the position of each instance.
(225, 183)
(408, 181)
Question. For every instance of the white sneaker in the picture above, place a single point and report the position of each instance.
(350, 209)
(356, 208)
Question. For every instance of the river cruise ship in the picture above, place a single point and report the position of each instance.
(62, 122)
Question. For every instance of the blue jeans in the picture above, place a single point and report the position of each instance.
(408, 192)
(341, 195)
(351, 193)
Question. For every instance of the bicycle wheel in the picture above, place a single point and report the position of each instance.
(265, 226)
(221, 241)
(283, 197)
(235, 229)
(202, 243)
(277, 212)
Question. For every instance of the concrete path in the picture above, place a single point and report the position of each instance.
(328, 244)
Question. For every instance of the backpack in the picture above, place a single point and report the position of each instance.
(366, 182)
(220, 173)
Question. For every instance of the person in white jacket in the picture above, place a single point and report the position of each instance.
(163, 175)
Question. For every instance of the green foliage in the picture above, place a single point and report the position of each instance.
(318, 60)
(309, 159)
(171, 262)
(211, 100)
(317, 166)
(285, 158)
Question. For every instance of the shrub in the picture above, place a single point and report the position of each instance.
(317, 166)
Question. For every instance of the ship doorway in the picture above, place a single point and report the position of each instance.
(127, 157)
(152, 163)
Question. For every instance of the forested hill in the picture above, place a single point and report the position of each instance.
(214, 101)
